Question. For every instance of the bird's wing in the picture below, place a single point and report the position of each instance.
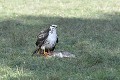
(42, 37)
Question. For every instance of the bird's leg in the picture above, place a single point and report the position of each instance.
(45, 53)
(38, 52)
(48, 51)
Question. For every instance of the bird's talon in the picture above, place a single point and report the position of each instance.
(45, 54)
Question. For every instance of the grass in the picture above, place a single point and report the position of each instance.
(90, 29)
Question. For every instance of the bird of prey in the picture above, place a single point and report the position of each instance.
(46, 41)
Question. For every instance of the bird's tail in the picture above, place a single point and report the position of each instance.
(35, 51)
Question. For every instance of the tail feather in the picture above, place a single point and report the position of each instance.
(35, 51)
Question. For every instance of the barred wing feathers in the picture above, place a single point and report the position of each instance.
(42, 37)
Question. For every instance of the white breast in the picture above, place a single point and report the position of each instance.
(51, 40)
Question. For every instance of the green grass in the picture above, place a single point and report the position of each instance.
(90, 29)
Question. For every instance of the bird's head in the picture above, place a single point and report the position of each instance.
(53, 28)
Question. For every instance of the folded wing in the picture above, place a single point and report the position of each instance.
(42, 37)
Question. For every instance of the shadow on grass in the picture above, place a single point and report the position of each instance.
(95, 42)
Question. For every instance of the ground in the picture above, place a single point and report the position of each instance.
(90, 29)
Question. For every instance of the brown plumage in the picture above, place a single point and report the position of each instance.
(42, 37)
